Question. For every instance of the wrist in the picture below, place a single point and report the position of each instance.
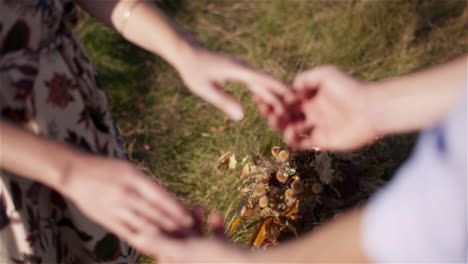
(65, 161)
(185, 55)
(373, 99)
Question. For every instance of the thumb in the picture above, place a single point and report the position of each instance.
(314, 78)
(215, 95)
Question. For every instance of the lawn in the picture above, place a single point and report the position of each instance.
(178, 138)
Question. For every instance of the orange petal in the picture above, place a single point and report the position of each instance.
(234, 224)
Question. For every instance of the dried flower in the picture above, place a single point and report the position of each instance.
(317, 188)
(263, 202)
(283, 155)
(259, 190)
(281, 177)
(275, 151)
(232, 162)
(289, 194)
(246, 170)
(243, 210)
(224, 159)
(297, 185)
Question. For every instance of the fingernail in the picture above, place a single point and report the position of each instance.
(237, 115)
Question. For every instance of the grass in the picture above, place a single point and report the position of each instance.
(168, 130)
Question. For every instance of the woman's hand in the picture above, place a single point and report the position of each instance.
(199, 249)
(122, 199)
(333, 111)
(205, 74)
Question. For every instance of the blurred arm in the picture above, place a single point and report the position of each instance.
(336, 242)
(143, 24)
(33, 157)
(418, 100)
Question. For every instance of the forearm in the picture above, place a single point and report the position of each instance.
(336, 242)
(33, 157)
(417, 100)
(143, 24)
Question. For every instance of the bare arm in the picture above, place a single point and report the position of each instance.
(36, 158)
(204, 72)
(338, 241)
(143, 24)
(111, 192)
(418, 100)
(346, 113)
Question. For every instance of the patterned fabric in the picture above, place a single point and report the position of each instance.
(47, 86)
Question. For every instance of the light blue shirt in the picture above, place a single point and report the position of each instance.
(421, 215)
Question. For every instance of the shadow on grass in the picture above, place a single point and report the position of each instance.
(435, 14)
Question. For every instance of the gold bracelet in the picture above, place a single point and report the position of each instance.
(127, 14)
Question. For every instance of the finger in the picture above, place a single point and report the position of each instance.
(278, 87)
(308, 80)
(158, 197)
(276, 123)
(314, 78)
(265, 110)
(241, 72)
(142, 241)
(198, 213)
(216, 221)
(310, 139)
(152, 214)
(269, 98)
(269, 89)
(134, 221)
(296, 133)
(215, 95)
(290, 137)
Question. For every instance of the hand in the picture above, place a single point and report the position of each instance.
(198, 249)
(331, 111)
(118, 196)
(205, 73)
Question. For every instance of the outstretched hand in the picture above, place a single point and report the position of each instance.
(329, 112)
(205, 73)
(198, 248)
(118, 196)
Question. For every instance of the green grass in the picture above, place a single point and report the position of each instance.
(167, 130)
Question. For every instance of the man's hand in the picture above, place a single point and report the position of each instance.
(330, 111)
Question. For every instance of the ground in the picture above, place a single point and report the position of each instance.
(178, 138)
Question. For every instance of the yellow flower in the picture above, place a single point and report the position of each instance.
(281, 177)
(317, 188)
(283, 155)
(297, 185)
(259, 190)
(289, 194)
(275, 151)
(263, 202)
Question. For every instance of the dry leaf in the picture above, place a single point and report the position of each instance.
(224, 159)
(234, 224)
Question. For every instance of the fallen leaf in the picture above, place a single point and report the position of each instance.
(224, 159)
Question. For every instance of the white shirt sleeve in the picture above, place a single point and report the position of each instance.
(421, 216)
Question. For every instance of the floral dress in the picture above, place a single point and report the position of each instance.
(48, 86)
